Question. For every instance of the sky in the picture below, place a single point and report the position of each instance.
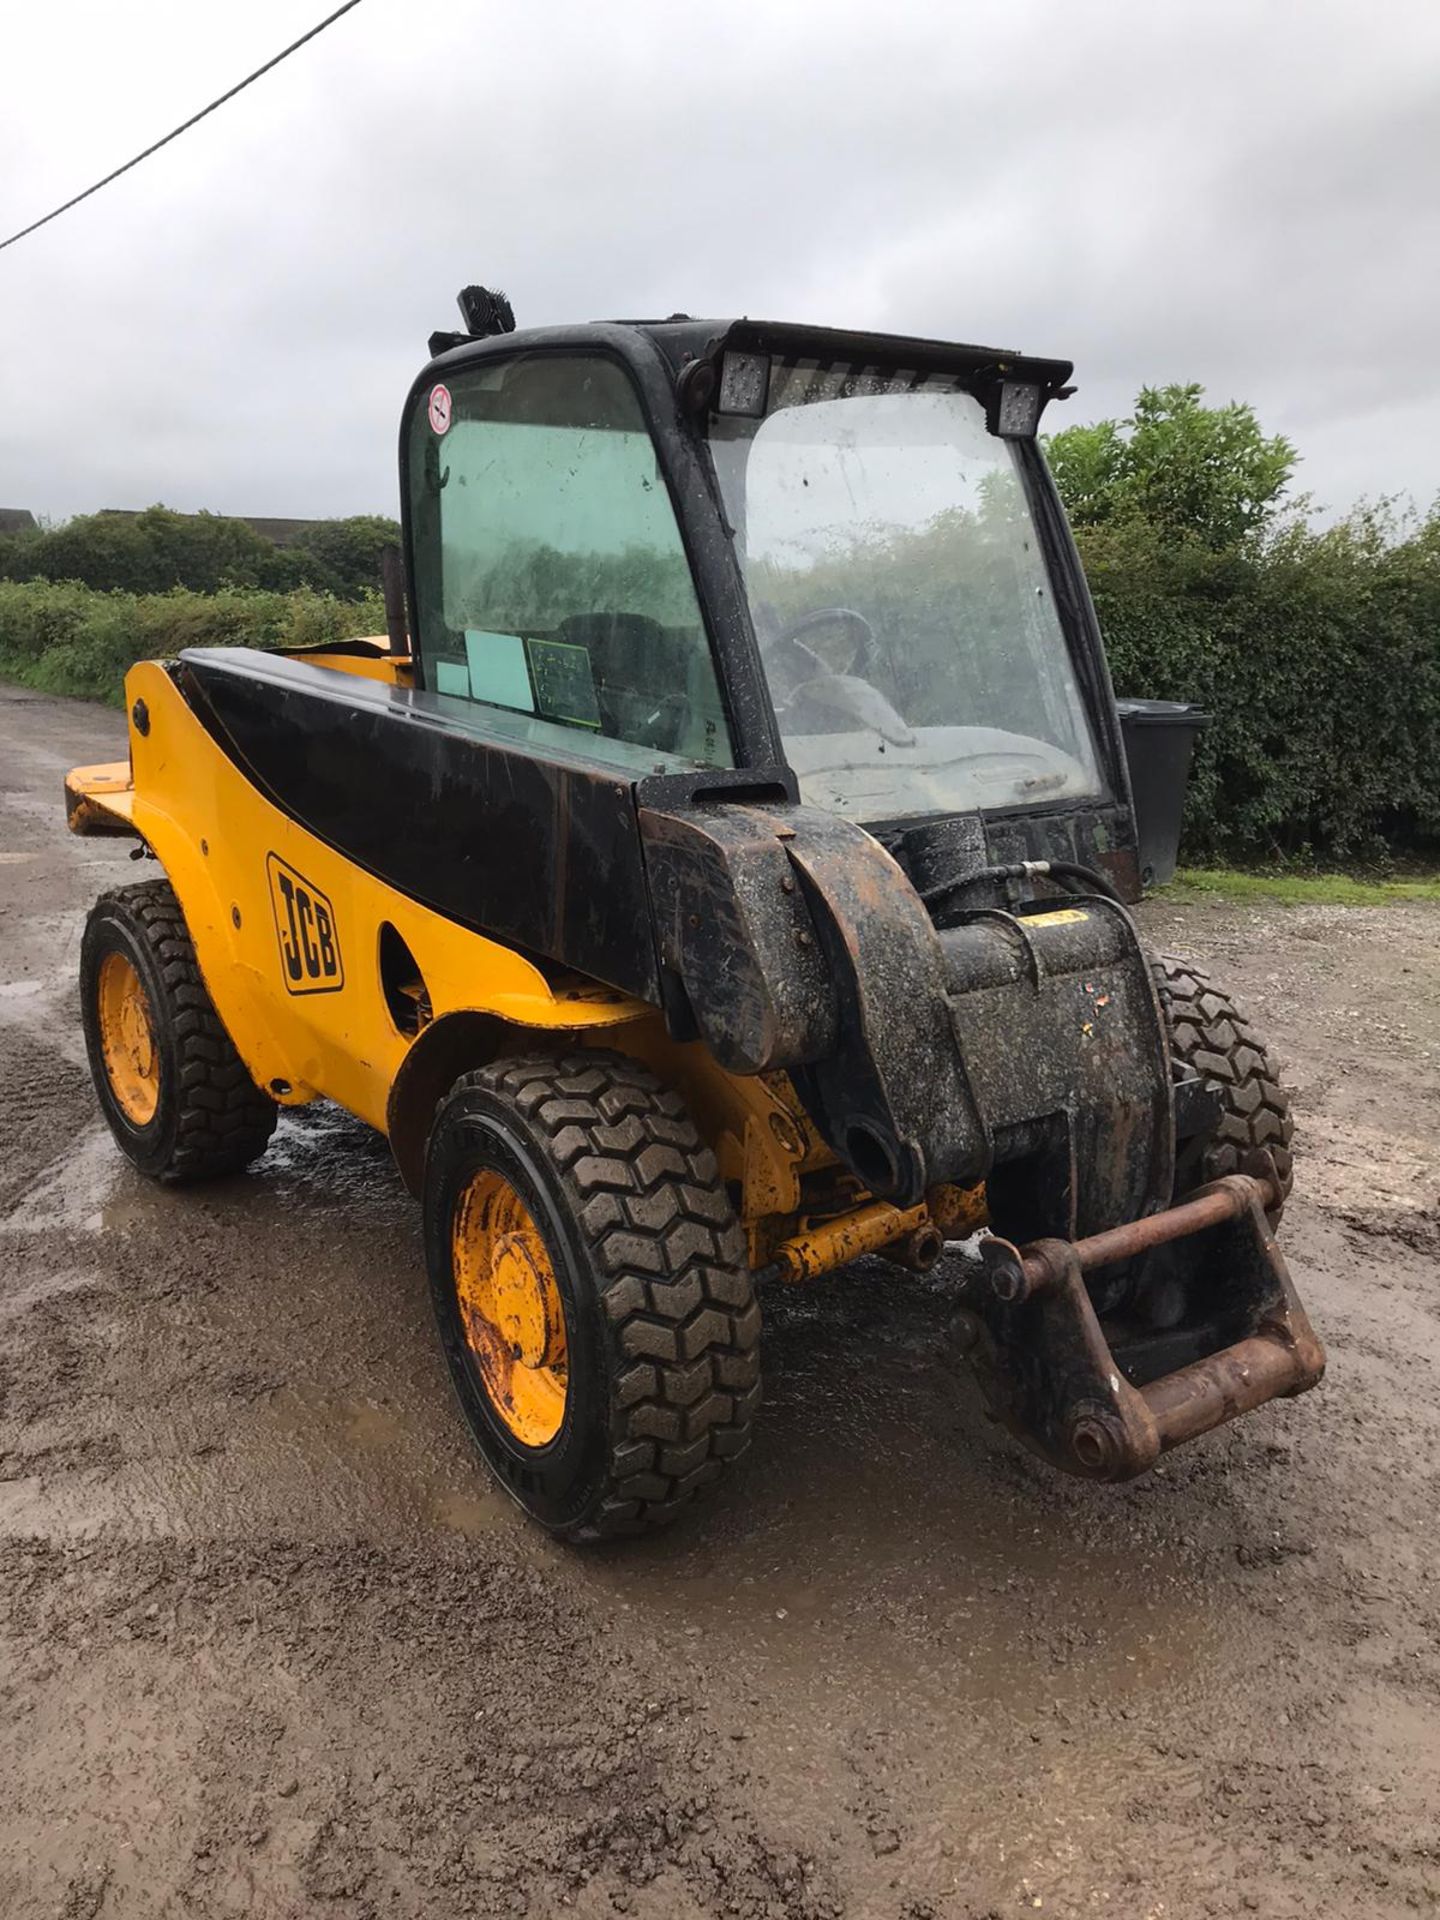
(1244, 193)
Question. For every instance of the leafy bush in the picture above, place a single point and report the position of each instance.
(1316, 652)
(156, 550)
(70, 639)
(1318, 656)
(343, 556)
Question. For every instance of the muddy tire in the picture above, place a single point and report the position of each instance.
(589, 1280)
(1210, 1033)
(178, 1097)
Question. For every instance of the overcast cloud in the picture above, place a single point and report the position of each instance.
(1241, 192)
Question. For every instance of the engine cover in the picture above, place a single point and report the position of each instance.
(1026, 1047)
(1063, 1040)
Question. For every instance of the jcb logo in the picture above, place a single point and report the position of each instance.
(305, 923)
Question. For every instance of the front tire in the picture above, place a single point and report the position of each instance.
(1211, 1034)
(590, 1285)
(178, 1097)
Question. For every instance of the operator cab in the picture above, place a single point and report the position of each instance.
(687, 547)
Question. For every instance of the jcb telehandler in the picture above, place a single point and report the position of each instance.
(719, 871)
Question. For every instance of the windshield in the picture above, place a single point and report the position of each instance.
(909, 635)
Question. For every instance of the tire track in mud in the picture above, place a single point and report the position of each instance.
(51, 1106)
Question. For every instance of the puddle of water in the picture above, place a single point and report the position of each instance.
(479, 1515)
(939, 1614)
(38, 999)
(328, 1469)
(19, 1295)
(337, 1163)
(300, 1414)
(881, 1526)
(31, 1004)
(72, 1194)
(91, 1188)
(334, 1465)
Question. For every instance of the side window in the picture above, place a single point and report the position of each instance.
(554, 595)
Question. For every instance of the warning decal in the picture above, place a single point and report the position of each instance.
(440, 409)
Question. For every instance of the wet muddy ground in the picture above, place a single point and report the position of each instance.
(271, 1645)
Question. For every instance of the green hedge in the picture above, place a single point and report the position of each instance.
(1318, 654)
(73, 640)
(151, 552)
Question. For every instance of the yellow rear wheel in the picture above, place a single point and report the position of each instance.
(127, 1039)
(178, 1097)
(510, 1308)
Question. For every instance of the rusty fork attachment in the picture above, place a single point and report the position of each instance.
(1048, 1370)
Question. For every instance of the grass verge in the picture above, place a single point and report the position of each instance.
(1298, 889)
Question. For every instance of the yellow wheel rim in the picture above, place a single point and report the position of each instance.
(127, 1040)
(510, 1308)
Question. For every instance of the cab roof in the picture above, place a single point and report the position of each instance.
(681, 340)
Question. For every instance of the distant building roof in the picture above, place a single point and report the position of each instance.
(284, 533)
(16, 520)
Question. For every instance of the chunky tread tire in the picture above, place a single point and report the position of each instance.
(655, 1245)
(212, 1119)
(1210, 1033)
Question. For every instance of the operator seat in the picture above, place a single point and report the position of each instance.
(641, 672)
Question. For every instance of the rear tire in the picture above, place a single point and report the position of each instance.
(591, 1289)
(178, 1097)
(1211, 1034)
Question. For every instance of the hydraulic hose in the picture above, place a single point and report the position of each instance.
(1066, 872)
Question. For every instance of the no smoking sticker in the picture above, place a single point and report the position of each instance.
(440, 409)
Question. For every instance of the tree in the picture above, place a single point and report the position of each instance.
(1190, 471)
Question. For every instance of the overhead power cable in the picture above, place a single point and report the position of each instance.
(184, 127)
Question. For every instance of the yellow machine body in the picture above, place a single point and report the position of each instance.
(257, 888)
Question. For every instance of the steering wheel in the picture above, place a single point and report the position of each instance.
(862, 638)
(814, 693)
